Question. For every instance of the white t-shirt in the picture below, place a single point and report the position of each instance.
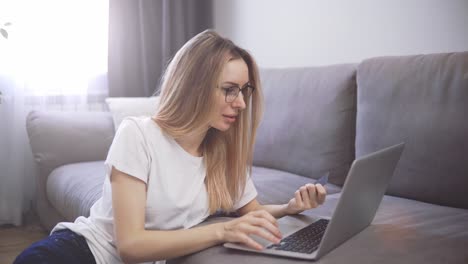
(176, 193)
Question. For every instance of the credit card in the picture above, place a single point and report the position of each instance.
(323, 180)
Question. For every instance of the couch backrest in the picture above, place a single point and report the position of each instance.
(423, 101)
(309, 123)
(59, 138)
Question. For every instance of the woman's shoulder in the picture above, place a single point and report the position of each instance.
(144, 125)
(145, 128)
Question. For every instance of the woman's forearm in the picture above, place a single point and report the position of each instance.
(306, 197)
(276, 210)
(151, 245)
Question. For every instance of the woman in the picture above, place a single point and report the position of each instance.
(167, 173)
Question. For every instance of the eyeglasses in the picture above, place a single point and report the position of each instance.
(232, 92)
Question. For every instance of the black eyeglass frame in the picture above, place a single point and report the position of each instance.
(238, 90)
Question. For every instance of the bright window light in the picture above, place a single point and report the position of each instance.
(55, 46)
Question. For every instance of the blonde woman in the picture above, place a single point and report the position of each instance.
(168, 173)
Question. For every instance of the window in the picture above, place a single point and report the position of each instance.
(56, 47)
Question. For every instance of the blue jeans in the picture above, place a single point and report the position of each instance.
(63, 246)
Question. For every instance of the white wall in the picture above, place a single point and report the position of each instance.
(294, 33)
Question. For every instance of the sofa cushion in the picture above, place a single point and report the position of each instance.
(122, 107)
(403, 231)
(54, 135)
(309, 121)
(422, 100)
(278, 187)
(72, 189)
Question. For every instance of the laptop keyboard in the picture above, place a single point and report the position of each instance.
(305, 240)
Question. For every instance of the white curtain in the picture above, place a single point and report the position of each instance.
(55, 58)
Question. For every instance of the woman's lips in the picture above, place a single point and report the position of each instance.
(230, 118)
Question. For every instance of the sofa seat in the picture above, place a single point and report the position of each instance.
(403, 231)
(73, 188)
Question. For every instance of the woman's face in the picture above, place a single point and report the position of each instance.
(235, 74)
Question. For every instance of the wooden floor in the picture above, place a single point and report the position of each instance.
(14, 240)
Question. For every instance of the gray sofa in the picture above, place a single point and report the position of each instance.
(317, 119)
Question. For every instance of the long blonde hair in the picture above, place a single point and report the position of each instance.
(186, 101)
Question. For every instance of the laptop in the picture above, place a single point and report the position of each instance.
(310, 237)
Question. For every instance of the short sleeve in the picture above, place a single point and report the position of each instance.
(250, 192)
(129, 152)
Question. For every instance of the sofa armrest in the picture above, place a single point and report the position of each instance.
(59, 138)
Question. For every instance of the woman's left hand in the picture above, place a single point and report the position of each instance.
(306, 197)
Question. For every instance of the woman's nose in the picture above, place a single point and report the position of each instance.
(239, 102)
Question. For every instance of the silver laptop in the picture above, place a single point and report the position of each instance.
(309, 237)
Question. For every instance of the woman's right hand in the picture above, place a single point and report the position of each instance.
(260, 223)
